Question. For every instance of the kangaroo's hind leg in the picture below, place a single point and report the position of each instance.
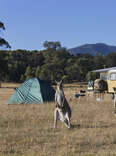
(56, 117)
(68, 120)
(64, 118)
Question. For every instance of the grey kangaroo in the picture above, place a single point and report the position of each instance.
(62, 111)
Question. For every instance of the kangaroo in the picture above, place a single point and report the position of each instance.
(62, 111)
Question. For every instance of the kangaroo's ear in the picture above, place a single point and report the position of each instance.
(56, 82)
(61, 82)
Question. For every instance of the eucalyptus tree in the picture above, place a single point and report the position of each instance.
(110, 59)
(51, 45)
(3, 42)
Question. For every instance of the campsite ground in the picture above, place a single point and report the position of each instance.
(27, 130)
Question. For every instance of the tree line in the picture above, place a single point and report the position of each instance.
(50, 64)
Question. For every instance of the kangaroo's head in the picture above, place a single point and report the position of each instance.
(59, 85)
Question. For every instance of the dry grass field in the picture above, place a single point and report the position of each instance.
(27, 130)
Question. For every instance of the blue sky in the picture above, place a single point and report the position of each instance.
(72, 22)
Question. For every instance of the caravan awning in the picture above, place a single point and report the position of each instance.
(104, 70)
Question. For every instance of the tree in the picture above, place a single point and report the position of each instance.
(3, 42)
(92, 76)
(72, 72)
(110, 59)
(29, 73)
(51, 45)
(99, 61)
(38, 69)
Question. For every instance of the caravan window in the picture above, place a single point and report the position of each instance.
(113, 76)
(104, 77)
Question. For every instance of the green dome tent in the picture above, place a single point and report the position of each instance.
(32, 91)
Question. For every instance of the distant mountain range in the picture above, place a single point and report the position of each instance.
(93, 49)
